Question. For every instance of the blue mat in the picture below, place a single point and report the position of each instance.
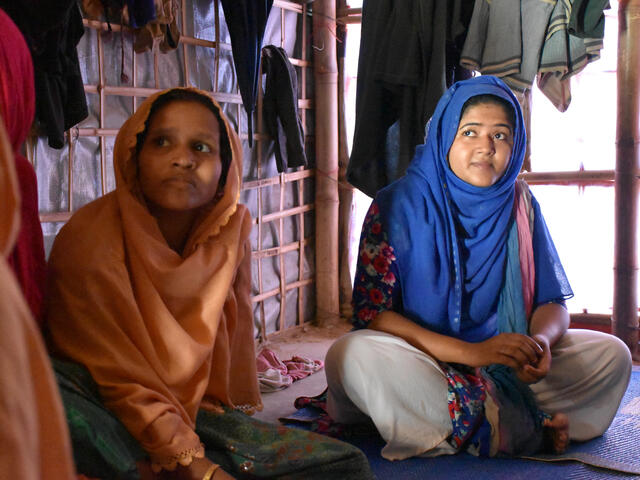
(618, 448)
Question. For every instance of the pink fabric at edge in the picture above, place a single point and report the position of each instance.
(525, 242)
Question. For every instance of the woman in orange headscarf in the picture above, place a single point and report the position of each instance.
(150, 290)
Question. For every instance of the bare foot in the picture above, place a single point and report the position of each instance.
(556, 432)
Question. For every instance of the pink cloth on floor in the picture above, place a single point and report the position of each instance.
(300, 367)
(269, 359)
(274, 374)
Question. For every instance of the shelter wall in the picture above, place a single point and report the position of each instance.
(116, 80)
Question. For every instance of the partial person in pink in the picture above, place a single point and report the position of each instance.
(34, 440)
(17, 107)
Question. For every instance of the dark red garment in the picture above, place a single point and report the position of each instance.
(17, 108)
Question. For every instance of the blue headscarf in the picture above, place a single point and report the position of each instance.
(450, 237)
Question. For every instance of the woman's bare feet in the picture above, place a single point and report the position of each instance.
(556, 433)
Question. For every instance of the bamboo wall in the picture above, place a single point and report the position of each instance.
(117, 80)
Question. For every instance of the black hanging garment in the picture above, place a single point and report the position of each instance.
(403, 70)
(52, 30)
(280, 108)
(246, 21)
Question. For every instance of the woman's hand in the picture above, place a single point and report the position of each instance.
(533, 373)
(511, 349)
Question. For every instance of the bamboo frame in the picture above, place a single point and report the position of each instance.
(282, 181)
(625, 302)
(347, 15)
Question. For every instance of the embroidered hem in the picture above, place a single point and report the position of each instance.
(216, 406)
(183, 458)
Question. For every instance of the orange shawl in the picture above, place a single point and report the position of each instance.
(34, 440)
(162, 334)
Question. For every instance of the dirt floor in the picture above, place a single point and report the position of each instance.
(308, 341)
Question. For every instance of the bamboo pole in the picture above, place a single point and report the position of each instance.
(346, 194)
(303, 114)
(599, 319)
(326, 93)
(283, 274)
(525, 103)
(603, 178)
(185, 52)
(625, 301)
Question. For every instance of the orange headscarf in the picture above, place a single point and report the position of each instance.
(163, 334)
(34, 440)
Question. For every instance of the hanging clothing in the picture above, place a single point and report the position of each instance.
(160, 30)
(280, 107)
(168, 334)
(52, 31)
(397, 94)
(17, 106)
(141, 12)
(34, 436)
(246, 21)
(587, 18)
(154, 22)
(564, 55)
(500, 42)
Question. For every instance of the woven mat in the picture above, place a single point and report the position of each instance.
(615, 455)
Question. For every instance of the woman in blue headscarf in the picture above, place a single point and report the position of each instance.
(459, 301)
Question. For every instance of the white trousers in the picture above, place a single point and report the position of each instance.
(374, 376)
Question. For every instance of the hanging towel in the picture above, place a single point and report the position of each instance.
(499, 43)
(587, 18)
(563, 55)
(280, 106)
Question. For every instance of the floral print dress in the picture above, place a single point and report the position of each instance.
(377, 289)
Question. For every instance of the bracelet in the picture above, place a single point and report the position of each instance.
(210, 472)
